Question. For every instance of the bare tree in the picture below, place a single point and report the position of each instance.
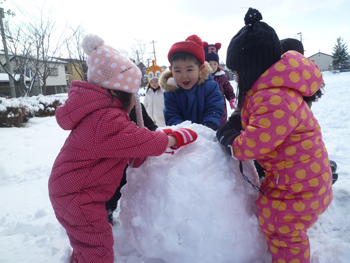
(41, 33)
(140, 50)
(20, 50)
(124, 52)
(77, 57)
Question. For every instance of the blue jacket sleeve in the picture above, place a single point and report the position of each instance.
(172, 113)
(214, 103)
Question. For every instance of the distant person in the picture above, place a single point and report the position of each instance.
(278, 129)
(190, 91)
(212, 57)
(154, 99)
(90, 165)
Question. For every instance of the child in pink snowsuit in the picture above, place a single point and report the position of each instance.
(90, 165)
(278, 129)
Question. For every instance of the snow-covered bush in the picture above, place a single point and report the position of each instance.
(16, 111)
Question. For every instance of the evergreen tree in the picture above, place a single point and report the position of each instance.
(340, 55)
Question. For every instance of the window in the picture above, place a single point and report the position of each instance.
(53, 72)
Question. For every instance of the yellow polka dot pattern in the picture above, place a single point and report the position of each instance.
(282, 134)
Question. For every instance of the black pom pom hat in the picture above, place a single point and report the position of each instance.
(252, 50)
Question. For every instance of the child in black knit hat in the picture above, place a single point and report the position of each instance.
(278, 129)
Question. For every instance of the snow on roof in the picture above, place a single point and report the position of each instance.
(49, 59)
(4, 77)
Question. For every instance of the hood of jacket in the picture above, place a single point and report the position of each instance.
(83, 99)
(219, 73)
(168, 83)
(293, 71)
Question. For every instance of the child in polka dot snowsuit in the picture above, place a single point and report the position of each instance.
(90, 165)
(280, 131)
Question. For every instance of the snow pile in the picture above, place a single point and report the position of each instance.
(193, 206)
(34, 103)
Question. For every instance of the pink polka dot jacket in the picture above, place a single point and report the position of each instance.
(90, 165)
(282, 134)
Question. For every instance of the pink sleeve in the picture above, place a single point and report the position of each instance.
(119, 137)
(265, 130)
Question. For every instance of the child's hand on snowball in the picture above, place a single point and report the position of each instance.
(180, 137)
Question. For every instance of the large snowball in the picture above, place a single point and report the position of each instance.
(193, 206)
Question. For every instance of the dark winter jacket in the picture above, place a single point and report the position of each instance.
(147, 121)
(202, 104)
(226, 90)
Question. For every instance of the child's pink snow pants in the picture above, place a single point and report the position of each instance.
(89, 232)
(284, 227)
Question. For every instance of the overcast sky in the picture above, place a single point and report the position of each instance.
(320, 22)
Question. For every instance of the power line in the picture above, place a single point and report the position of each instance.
(154, 51)
(300, 36)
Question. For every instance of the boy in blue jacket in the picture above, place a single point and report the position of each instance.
(190, 91)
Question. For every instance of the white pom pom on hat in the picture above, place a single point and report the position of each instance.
(90, 43)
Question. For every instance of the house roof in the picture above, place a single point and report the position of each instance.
(320, 53)
(52, 59)
(70, 59)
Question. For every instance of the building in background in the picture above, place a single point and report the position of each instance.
(26, 67)
(323, 61)
(75, 69)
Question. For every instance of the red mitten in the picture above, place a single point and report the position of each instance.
(183, 136)
(167, 131)
(232, 104)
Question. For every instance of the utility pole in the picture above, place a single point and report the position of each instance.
(154, 51)
(8, 63)
(137, 54)
(300, 36)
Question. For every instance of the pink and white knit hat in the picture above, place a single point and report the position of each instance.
(108, 68)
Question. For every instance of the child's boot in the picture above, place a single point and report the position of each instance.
(333, 165)
(110, 216)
